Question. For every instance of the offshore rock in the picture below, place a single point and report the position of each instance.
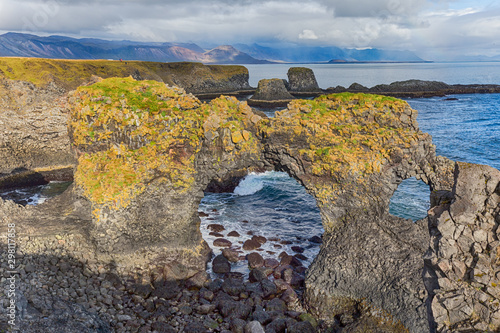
(464, 264)
(419, 88)
(270, 93)
(302, 80)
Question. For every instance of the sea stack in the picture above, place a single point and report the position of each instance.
(303, 81)
(271, 93)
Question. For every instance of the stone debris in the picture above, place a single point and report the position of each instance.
(63, 287)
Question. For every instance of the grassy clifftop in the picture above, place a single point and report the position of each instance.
(69, 74)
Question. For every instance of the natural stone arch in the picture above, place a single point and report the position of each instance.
(369, 259)
(350, 151)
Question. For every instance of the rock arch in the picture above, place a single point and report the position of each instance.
(153, 150)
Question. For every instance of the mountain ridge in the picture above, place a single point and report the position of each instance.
(62, 47)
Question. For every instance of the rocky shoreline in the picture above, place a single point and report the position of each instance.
(62, 286)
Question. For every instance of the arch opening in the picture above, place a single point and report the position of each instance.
(411, 200)
(271, 205)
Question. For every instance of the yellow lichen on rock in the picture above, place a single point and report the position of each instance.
(228, 114)
(130, 132)
(351, 133)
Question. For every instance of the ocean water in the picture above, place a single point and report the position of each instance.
(269, 204)
(370, 74)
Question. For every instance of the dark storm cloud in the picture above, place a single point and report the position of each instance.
(394, 24)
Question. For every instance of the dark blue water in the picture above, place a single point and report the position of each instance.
(269, 204)
(466, 129)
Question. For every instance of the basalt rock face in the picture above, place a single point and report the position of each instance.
(465, 252)
(146, 154)
(34, 129)
(302, 80)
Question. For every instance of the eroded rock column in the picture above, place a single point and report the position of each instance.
(146, 153)
(465, 258)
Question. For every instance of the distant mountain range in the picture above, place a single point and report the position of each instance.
(25, 45)
(60, 47)
(326, 54)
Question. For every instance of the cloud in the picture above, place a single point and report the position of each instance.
(307, 34)
(393, 24)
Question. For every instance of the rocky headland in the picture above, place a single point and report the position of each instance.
(419, 88)
(121, 249)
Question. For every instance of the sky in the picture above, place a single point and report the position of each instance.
(433, 29)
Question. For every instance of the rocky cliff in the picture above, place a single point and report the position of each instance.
(34, 142)
(146, 152)
(464, 257)
(196, 78)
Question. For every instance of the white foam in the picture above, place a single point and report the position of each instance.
(251, 184)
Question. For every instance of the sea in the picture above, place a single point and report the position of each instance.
(273, 205)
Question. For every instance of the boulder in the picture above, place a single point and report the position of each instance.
(221, 265)
(255, 260)
(231, 255)
(250, 245)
